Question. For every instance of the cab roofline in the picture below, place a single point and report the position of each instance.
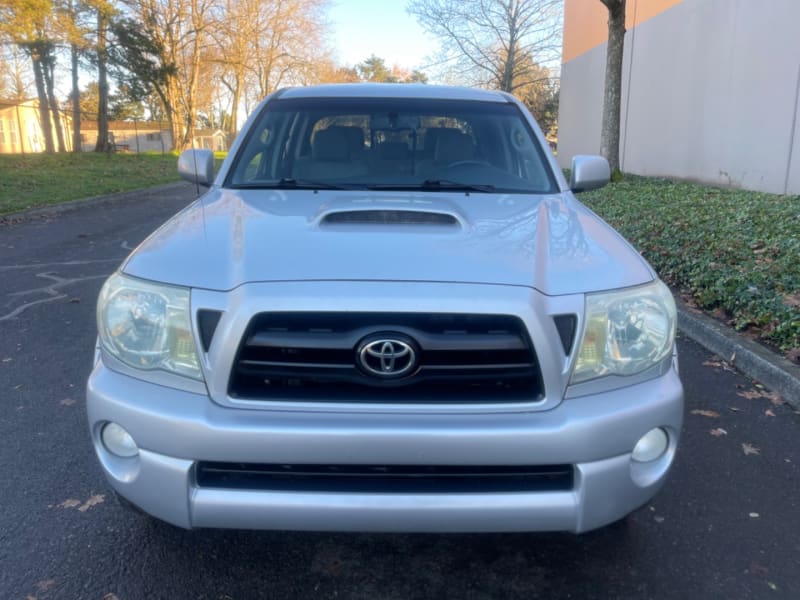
(394, 90)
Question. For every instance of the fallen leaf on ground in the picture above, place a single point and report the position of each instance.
(706, 413)
(45, 585)
(718, 364)
(750, 449)
(794, 355)
(769, 413)
(67, 402)
(791, 300)
(658, 519)
(772, 586)
(758, 569)
(69, 503)
(110, 596)
(735, 409)
(757, 394)
(754, 515)
(718, 432)
(96, 499)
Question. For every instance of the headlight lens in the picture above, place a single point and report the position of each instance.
(625, 332)
(147, 325)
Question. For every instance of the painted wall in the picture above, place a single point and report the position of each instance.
(21, 131)
(710, 90)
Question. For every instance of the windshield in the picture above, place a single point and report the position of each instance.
(392, 143)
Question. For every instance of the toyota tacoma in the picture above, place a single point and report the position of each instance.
(388, 312)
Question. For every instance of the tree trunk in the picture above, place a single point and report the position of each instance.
(48, 68)
(609, 136)
(237, 97)
(76, 106)
(44, 105)
(103, 142)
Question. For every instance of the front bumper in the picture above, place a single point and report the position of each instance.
(174, 429)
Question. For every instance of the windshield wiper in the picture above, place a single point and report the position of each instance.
(447, 184)
(436, 184)
(293, 184)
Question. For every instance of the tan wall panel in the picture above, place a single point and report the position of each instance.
(586, 22)
(710, 93)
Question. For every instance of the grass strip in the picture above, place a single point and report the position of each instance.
(36, 180)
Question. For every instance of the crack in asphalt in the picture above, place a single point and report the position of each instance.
(53, 291)
(70, 263)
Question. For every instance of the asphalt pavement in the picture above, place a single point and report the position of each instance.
(726, 525)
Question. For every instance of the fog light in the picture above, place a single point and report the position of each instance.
(651, 445)
(118, 441)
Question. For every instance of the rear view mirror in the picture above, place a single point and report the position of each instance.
(589, 173)
(197, 166)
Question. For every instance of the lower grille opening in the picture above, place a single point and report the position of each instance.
(410, 479)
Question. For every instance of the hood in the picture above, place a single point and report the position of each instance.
(231, 237)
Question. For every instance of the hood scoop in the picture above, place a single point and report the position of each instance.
(390, 217)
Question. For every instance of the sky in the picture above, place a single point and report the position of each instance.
(381, 27)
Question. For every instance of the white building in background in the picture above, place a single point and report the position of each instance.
(711, 90)
(21, 130)
(147, 136)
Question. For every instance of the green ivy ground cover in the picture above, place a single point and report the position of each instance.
(737, 253)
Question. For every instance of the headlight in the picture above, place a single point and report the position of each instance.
(625, 332)
(147, 326)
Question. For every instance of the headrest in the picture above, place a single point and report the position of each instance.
(452, 146)
(393, 151)
(353, 134)
(330, 144)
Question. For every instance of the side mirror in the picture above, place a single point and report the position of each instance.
(197, 166)
(589, 173)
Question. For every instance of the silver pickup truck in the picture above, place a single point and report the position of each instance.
(388, 313)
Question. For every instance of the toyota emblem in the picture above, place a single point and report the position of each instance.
(387, 357)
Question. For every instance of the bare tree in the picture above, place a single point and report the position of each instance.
(288, 39)
(235, 25)
(177, 30)
(30, 25)
(104, 11)
(494, 43)
(75, 38)
(74, 18)
(14, 80)
(612, 95)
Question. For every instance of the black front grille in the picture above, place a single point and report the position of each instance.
(396, 479)
(313, 357)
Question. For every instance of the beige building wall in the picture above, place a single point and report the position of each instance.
(20, 130)
(710, 90)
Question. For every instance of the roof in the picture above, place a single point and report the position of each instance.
(208, 132)
(394, 90)
(127, 125)
(6, 102)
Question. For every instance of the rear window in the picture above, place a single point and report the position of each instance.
(364, 143)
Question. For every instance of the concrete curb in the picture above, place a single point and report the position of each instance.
(749, 357)
(62, 207)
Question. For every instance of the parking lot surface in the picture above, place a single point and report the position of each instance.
(726, 525)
